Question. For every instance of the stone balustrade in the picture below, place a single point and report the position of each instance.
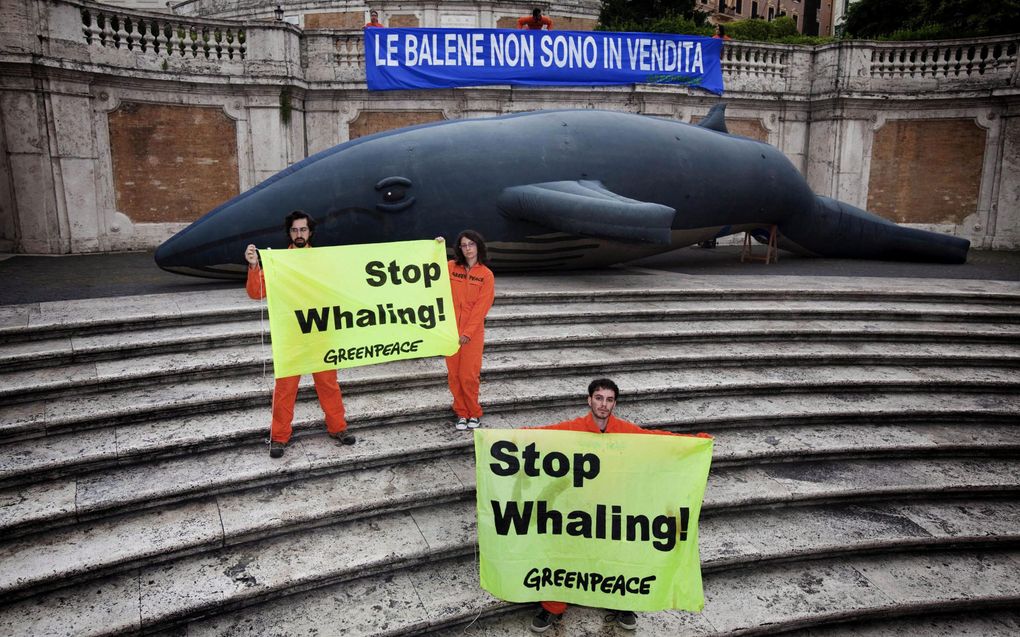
(160, 35)
(748, 67)
(992, 57)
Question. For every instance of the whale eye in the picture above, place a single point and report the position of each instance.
(395, 194)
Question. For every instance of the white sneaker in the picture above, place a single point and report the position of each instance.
(462, 423)
(474, 423)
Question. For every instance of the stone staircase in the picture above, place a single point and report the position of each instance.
(865, 477)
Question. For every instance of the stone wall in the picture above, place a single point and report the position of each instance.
(117, 128)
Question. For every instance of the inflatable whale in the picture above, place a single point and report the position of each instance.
(549, 189)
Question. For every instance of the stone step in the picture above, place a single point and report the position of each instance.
(987, 623)
(329, 560)
(67, 318)
(314, 483)
(73, 452)
(429, 397)
(505, 355)
(153, 341)
(766, 600)
(423, 389)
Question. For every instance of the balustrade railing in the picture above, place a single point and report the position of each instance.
(350, 56)
(753, 60)
(747, 66)
(166, 35)
(943, 59)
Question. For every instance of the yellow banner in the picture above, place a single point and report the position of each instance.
(604, 520)
(348, 306)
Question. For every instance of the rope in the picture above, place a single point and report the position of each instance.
(262, 347)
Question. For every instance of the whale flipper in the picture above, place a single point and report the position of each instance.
(716, 119)
(587, 208)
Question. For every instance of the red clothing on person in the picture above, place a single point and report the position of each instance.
(529, 22)
(473, 292)
(614, 425)
(286, 388)
(375, 24)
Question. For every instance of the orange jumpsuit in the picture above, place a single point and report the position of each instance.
(613, 426)
(285, 391)
(473, 293)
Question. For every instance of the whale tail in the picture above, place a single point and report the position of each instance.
(838, 230)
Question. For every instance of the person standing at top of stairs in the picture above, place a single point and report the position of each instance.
(535, 22)
(299, 226)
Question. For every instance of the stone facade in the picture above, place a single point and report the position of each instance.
(924, 133)
(813, 17)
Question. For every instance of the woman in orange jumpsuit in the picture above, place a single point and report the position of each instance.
(474, 289)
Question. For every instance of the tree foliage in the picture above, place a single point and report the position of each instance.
(682, 16)
(782, 29)
(652, 16)
(931, 19)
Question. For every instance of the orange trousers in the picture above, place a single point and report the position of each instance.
(464, 373)
(556, 608)
(330, 398)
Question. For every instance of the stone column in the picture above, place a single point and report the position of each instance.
(74, 164)
(1005, 213)
(37, 222)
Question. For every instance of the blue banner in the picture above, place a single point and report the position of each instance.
(446, 58)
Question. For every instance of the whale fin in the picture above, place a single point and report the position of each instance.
(587, 208)
(716, 119)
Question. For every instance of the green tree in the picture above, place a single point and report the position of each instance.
(649, 15)
(918, 19)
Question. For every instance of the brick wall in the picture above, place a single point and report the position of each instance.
(926, 171)
(337, 20)
(744, 127)
(172, 163)
(573, 24)
(370, 122)
(507, 22)
(403, 21)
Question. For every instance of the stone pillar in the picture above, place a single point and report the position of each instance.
(1005, 213)
(37, 222)
(8, 210)
(838, 156)
(273, 131)
(74, 166)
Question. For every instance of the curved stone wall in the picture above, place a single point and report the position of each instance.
(108, 142)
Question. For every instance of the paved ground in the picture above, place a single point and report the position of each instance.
(32, 279)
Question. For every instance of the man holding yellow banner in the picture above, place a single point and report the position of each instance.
(568, 513)
(346, 306)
